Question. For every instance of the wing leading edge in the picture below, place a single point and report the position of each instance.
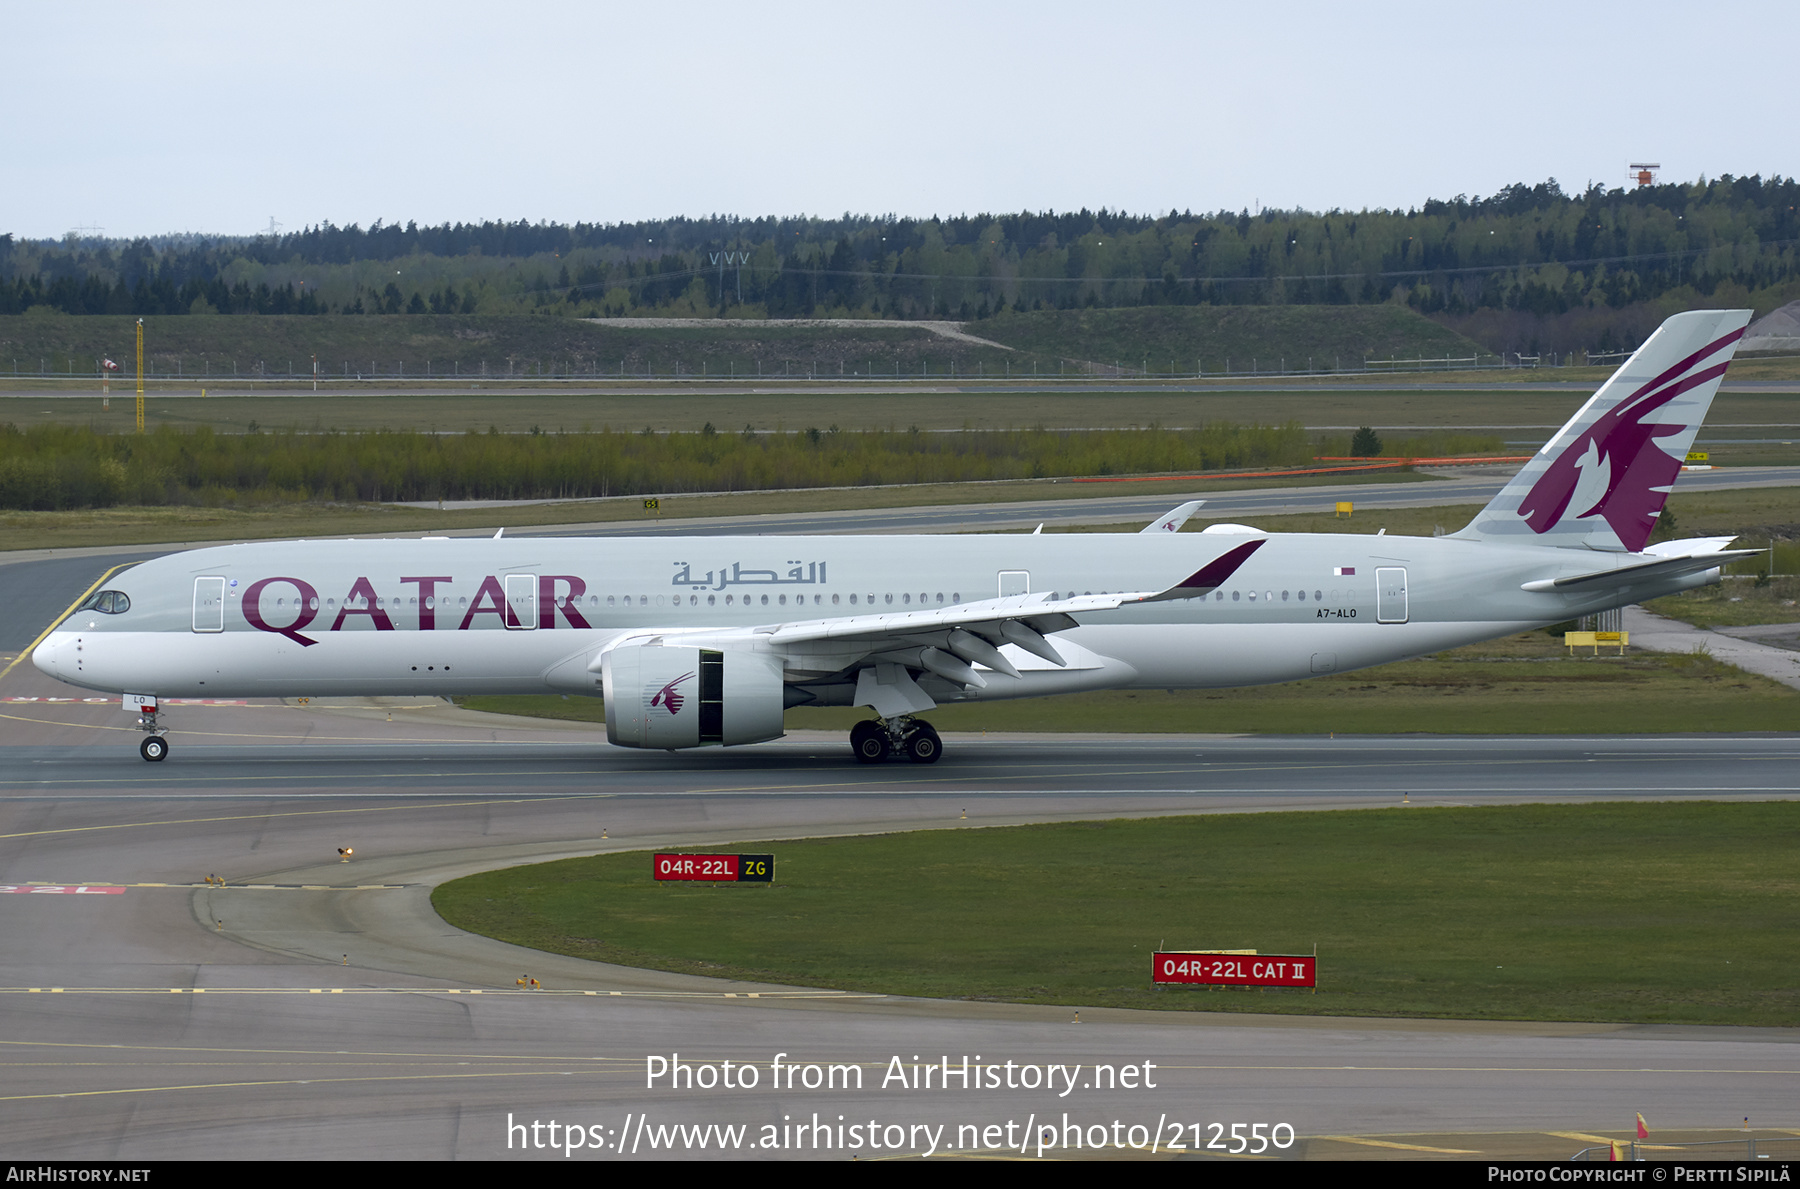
(882, 652)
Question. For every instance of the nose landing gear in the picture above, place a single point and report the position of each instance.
(155, 746)
(874, 740)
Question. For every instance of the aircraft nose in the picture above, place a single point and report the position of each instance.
(47, 655)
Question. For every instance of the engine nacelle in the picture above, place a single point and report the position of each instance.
(672, 697)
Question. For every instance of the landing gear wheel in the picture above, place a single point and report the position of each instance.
(869, 741)
(923, 746)
(153, 748)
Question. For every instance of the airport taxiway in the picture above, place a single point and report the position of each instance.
(318, 1009)
(315, 1008)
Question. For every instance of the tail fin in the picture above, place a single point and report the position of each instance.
(1601, 482)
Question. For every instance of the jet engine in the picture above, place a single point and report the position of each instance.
(672, 697)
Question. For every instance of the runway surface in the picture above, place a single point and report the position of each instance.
(314, 1008)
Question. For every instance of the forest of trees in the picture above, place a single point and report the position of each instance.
(1533, 249)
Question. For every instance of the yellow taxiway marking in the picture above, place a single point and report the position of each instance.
(958, 782)
(543, 991)
(188, 733)
(219, 887)
(835, 784)
(413, 1077)
(1585, 1138)
(52, 1044)
(1382, 1143)
(1575, 1069)
(57, 622)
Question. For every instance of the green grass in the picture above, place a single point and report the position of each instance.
(224, 346)
(684, 408)
(54, 467)
(216, 348)
(1644, 913)
(1739, 602)
(1526, 684)
(1756, 511)
(1163, 337)
(517, 344)
(138, 525)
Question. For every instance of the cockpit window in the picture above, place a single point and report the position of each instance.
(108, 602)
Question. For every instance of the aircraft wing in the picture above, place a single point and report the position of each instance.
(1030, 608)
(1027, 608)
(949, 641)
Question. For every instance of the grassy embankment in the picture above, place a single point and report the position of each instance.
(471, 347)
(1157, 340)
(1176, 340)
(223, 353)
(1520, 415)
(1644, 913)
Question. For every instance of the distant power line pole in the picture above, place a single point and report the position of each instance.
(140, 375)
(720, 260)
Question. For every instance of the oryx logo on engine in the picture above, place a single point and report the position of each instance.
(670, 698)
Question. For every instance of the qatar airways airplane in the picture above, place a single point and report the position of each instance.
(706, 640)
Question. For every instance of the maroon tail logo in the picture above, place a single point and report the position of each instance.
(669, 698)
(1615, 466)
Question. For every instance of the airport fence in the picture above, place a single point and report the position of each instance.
(167, 371)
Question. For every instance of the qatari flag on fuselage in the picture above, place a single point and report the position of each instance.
(1343, 572)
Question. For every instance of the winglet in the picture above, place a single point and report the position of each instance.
(1210, 576)
(1172, 522)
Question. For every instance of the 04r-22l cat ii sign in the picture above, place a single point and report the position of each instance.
(700, 641)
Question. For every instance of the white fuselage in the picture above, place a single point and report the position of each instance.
(531, 615)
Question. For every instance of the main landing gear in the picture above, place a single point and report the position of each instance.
(874, 740)
(156, 744)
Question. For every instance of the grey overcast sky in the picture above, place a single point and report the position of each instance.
(142, 118)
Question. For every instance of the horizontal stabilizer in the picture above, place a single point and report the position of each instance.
(1667, 567)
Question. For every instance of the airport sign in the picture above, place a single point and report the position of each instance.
(1234, 970)
(715, 868)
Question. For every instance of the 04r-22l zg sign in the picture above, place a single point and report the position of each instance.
(715, 868)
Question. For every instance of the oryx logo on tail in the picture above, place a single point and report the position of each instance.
(1603, 479)
(1617, 468)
